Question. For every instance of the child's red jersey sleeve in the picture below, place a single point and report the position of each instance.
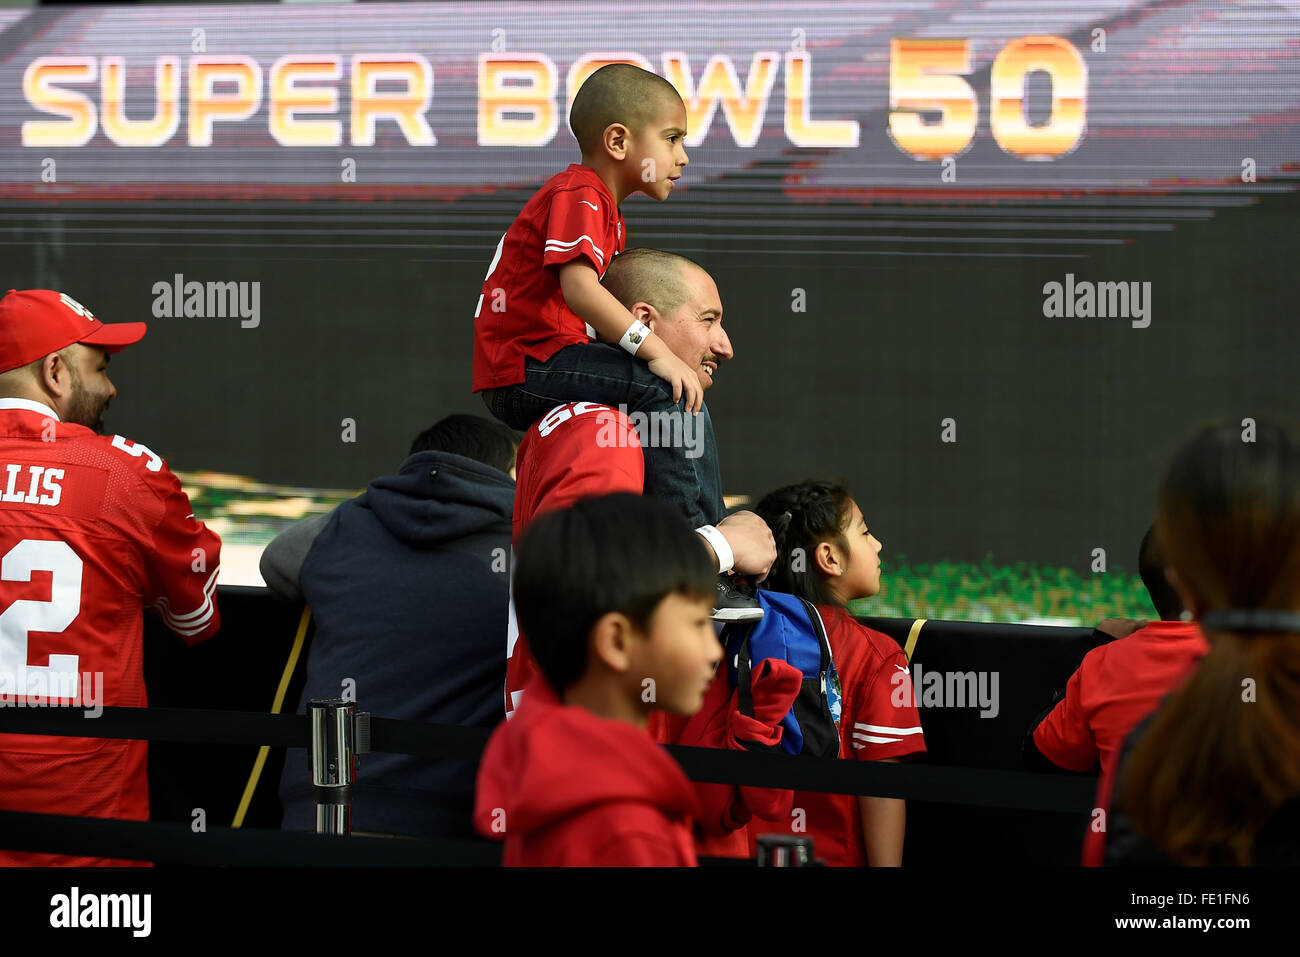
(1064, 737)
(577, 228)
(884, 722)
(182, 560)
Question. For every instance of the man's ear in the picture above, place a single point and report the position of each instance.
(646, 313)
(54, 374)
(615, 141)
(826, 560)
(610, 640)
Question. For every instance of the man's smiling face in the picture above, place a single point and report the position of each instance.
(694, 331)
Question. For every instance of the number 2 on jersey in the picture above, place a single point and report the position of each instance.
(60, 678)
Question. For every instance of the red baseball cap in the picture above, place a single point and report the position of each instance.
(36, 322)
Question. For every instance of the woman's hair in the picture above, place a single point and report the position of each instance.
(819, 512)
(1223, 753)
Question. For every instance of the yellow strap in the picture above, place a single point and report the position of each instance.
(280, 692)
(913, 633)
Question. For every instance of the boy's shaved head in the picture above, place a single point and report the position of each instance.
(652, 276)
(618, 93)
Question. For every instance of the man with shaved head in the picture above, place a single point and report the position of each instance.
(583, 449)
(547, 332)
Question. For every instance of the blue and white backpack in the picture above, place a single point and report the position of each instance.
(790, 630)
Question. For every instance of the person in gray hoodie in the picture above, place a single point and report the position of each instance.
(408, 587)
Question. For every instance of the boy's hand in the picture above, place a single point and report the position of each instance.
(681, 377)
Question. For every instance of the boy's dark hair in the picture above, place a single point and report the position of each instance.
(617, 93)
(621, 553)
(1151, 566)
(473, 436)
(819, 512)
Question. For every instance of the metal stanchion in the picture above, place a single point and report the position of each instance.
(785, 850)
(335, 727)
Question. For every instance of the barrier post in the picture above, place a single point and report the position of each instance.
(333, 760)
(785, 850)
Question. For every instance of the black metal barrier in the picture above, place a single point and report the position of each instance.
(177, 844)
(169, 842)
(240, 668)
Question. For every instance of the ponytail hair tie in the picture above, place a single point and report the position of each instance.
(1252, 619)
(779, 528)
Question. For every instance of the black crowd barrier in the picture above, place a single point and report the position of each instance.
(220, 845)
(967, 799)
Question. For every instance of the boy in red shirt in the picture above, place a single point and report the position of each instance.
(1115, 687)
(542, 306)
(615, 596)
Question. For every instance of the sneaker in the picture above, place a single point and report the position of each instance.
(732, 604)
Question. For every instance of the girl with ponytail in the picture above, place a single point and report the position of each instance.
(1213, 778)
(827, 555)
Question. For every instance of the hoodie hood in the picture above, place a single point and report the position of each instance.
(438, 497)
(552, 761)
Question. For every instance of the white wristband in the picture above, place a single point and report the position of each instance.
(726, 558)
(635, 335)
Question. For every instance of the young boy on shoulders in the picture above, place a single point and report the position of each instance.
(546, 331)
(615, 595)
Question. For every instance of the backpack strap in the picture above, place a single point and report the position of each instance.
(912, 635)
(744, 689)
(819, 628)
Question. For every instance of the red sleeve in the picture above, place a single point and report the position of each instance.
(519, 665)
(576, 229)
(575, 451)
(182, 561)
(1064, 737)
(722, 808)
(885, 723)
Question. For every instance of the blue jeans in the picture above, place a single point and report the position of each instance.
(680, 455)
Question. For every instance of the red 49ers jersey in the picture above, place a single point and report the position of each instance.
(880, 720)
(575, 451)
(93, 529)
(522, 311)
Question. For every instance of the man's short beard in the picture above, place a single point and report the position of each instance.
(84, 408)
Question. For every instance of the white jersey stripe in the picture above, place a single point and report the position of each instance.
(190, 623)
(164, 605)
(875, 739)
(882, 729)
(555, 245)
